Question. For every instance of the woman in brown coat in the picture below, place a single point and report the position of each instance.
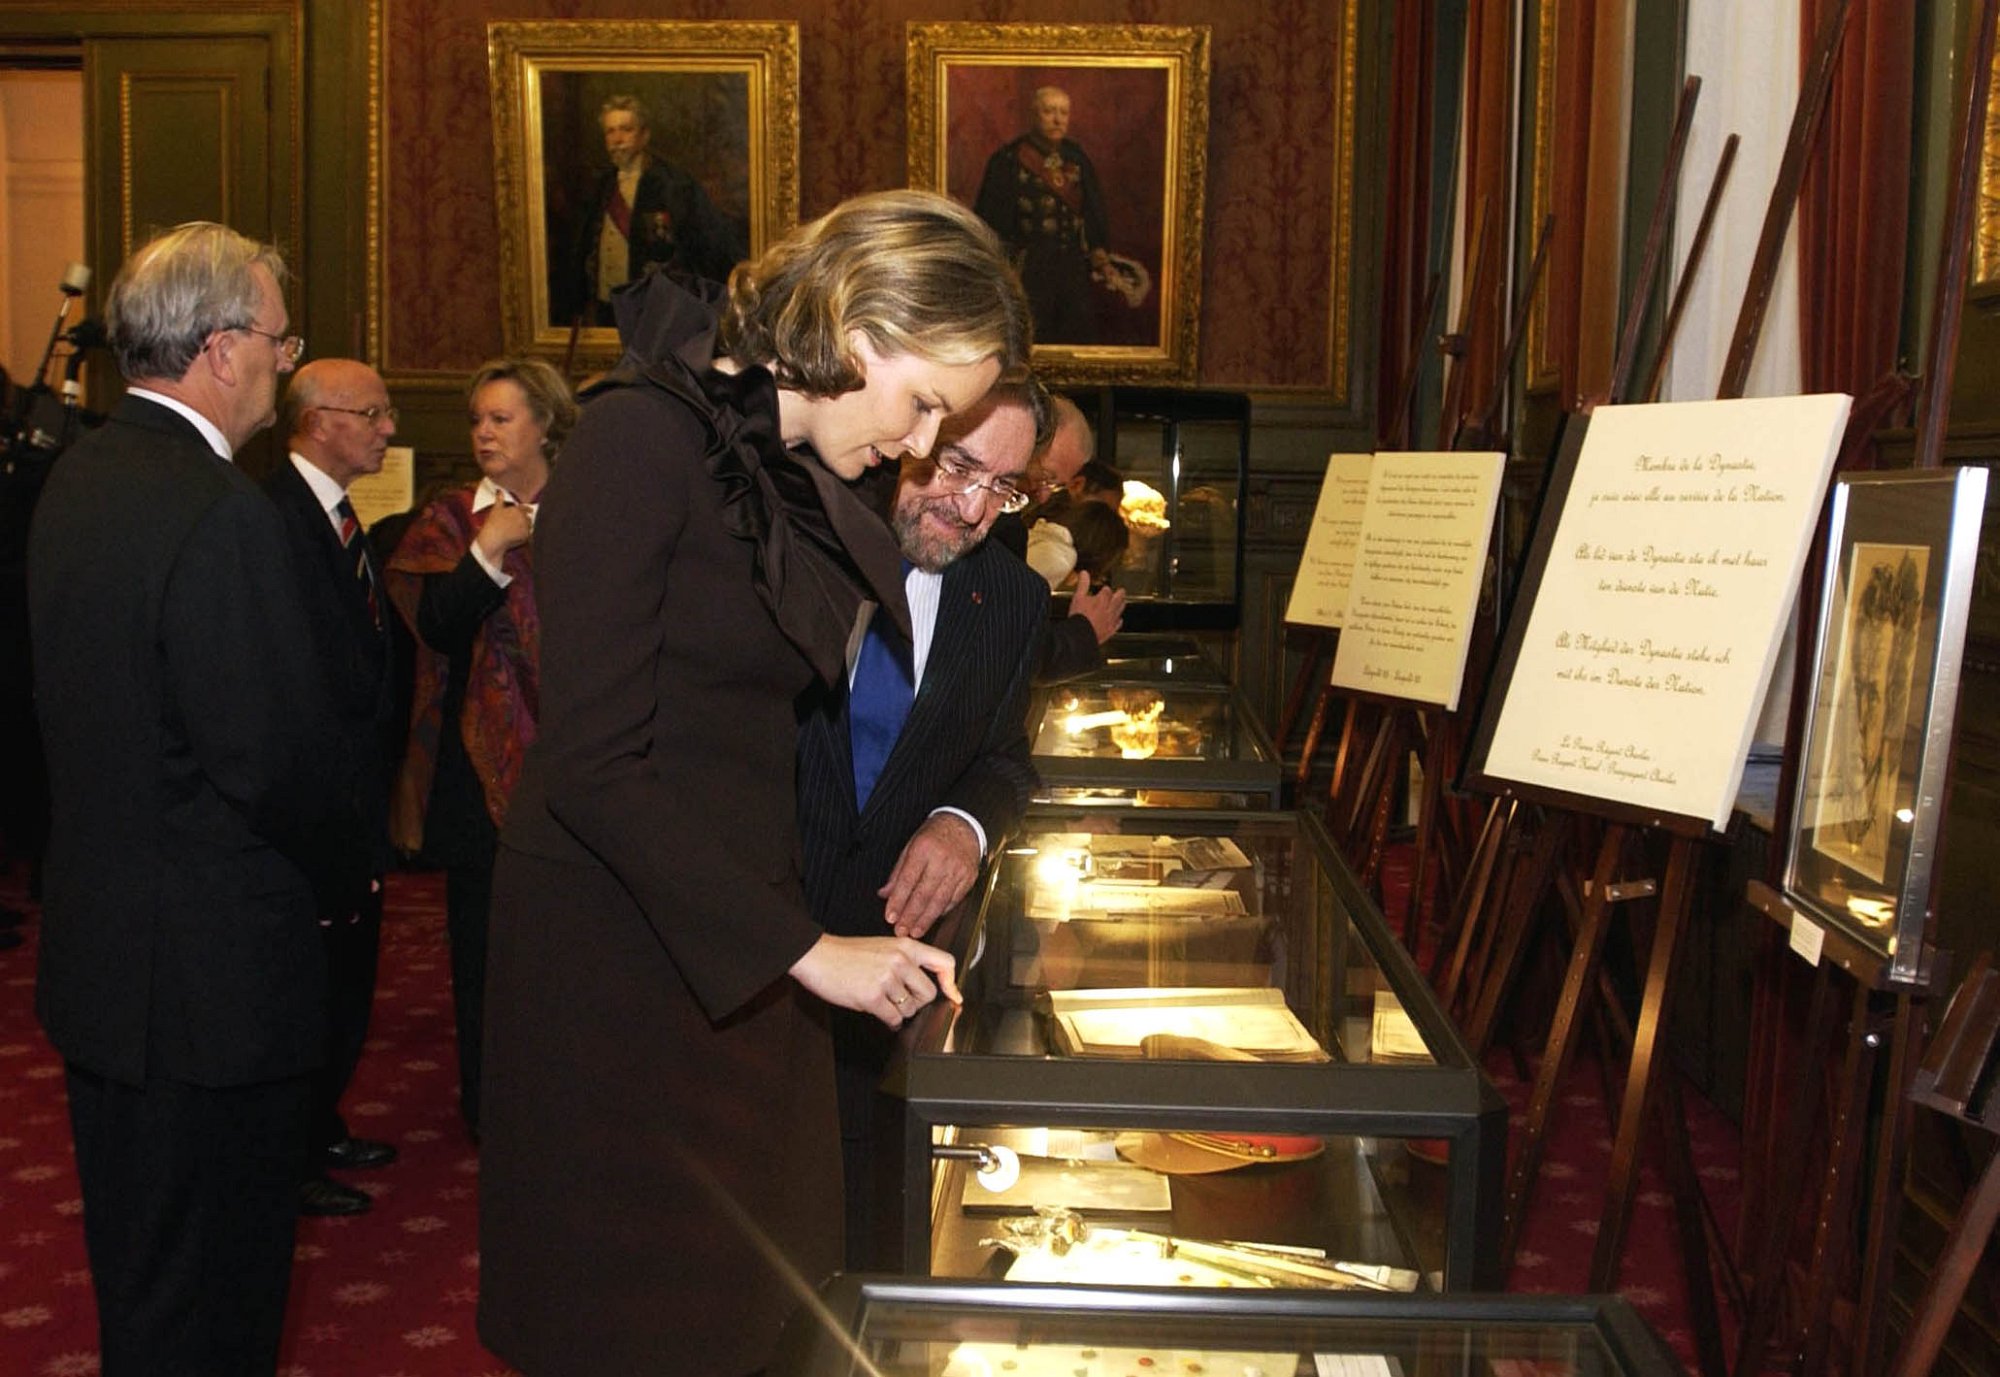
(661, 1169)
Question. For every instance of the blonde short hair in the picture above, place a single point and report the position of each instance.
(914, 272)
(548, 392)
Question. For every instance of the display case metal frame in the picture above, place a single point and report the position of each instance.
(831, 1338)
(1173, 409)
(1252, 769)
(1450, 1099)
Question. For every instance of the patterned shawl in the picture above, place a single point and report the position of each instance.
(502, 694)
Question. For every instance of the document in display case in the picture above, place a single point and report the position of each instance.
(1192, 1053)
(902, 1327)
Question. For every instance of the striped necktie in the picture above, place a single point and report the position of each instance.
(357, 550)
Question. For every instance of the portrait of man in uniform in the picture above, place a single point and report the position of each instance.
(1071, 177)
(1083, 147)
(1041, 195)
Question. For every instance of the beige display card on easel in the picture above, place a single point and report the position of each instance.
(1319, 591)
(1417, 569)
(1653, 626)
(392, 490)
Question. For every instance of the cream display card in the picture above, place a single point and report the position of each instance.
(1650, 638)
(1319, 592)
(376, 495)
(1417, 569)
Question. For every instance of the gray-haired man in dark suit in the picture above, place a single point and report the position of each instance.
(197, 794)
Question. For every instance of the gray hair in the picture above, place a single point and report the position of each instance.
(179, 288)
(627, 104)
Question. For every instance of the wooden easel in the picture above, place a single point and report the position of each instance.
(1957, 1079)
(1885, 1027)
(1614, 879)
(1486, 959)
(1321, 642)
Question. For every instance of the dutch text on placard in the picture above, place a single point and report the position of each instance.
(1652, 633)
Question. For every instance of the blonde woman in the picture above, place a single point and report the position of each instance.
(661, 1145)
(464, 582)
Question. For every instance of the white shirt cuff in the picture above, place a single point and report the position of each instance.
(970, 821)
(502, 578)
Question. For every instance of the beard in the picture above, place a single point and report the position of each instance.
(923, 544)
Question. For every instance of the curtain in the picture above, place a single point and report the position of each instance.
(1585, 153)
(1748, 59)
(1406, 215)
(1853, 228)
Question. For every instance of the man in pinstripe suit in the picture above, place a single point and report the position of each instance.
(956, 779)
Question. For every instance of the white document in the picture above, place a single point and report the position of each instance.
(1417, 570)
(1319, 590)
(1674, 566)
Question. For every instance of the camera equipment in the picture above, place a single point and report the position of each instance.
(36, 429)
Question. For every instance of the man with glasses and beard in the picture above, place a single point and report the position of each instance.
(910, 778)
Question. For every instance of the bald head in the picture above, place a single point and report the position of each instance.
(1058, 462)
(325, 422)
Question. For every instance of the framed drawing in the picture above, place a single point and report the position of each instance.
(1085, 147)
(1902, 549)
(619, 145)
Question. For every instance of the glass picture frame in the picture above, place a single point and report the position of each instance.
(1902, 550)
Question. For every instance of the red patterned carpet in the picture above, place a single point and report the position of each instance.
(391, 1294)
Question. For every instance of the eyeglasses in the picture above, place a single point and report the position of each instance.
(957, 478)
(291, 348)
(371, 413)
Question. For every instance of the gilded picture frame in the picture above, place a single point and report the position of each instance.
(1985, 285)
(1102, 212)
(1902, 548)
(722, 98)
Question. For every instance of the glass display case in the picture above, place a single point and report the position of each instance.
(900, 1327)
(1160, 732)
(1158, 655)
(1185, 460)
(1191, 1052)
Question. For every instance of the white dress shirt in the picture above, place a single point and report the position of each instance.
(208, 429)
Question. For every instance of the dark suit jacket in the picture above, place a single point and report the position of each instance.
(1067, 646)
(193, 804)
(965, 743)
(674, 224)
(354, 653)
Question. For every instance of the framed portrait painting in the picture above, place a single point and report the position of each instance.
(1085, 147)
(622, 145)
(1901, 555)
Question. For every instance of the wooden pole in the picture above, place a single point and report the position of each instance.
(1656, 239)
(1941, 356)
(1696, 250)
(1784, 198)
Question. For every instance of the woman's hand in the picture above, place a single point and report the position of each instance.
(889, 977)
(506, 527)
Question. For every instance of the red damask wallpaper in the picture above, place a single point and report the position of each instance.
(1271, 150)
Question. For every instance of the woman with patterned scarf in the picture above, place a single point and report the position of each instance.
(463, 580)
